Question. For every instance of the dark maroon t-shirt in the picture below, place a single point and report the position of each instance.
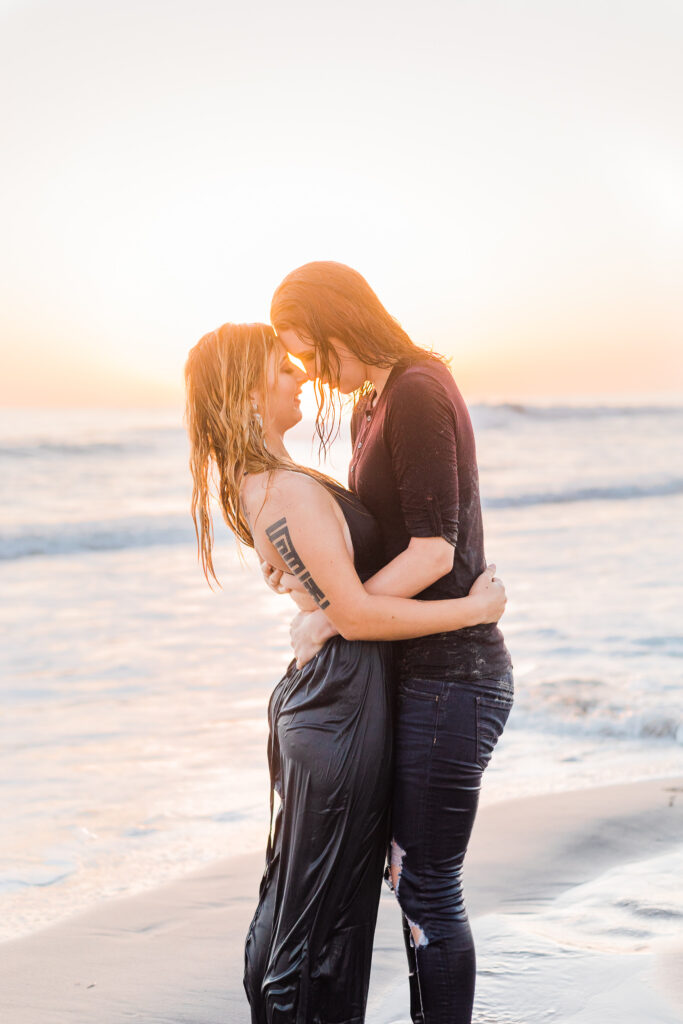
(414, 467)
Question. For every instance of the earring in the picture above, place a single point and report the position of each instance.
(257, 415)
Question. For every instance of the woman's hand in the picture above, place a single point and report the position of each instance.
(272, 577)
(490, 594)
(303, 600)
(308, 632)
(285, 583)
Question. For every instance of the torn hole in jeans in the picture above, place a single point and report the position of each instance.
(418, 937)
(395, 865)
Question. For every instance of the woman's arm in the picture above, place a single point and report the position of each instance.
(423, 562)
(298, 530)
(308, 632)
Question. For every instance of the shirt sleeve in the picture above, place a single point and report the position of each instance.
(421, 435)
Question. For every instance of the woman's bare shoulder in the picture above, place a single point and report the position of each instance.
(281, 485)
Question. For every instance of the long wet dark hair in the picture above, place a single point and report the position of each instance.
(324, 300)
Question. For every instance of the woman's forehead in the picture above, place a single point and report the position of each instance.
(294, 343)
(281, 354)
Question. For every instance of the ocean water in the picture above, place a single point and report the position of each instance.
(134, 697)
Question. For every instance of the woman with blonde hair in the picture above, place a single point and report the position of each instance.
(309, 946)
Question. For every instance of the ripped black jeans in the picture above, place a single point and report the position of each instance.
(445, 734)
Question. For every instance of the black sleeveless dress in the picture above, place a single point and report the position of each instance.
(308, 950)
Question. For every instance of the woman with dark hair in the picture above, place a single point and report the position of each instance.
(414, 468)
(308, 951)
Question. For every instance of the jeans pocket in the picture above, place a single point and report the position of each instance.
(417, 718)
(492, 714)
(422, 689)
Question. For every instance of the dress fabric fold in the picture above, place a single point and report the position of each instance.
(309, 947)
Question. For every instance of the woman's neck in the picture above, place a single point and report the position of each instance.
(378, 377)
(276, 445)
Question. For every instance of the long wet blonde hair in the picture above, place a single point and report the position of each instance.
(225, 428)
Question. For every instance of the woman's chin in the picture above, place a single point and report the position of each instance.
(347, 387)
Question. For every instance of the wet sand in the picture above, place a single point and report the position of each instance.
(173, 955)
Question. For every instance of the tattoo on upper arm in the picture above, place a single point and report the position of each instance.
(279, 536)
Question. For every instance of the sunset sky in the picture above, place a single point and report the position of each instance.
(507, 175)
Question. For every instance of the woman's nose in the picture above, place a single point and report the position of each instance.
(301, 375)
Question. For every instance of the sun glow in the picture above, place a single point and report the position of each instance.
(163, 202)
